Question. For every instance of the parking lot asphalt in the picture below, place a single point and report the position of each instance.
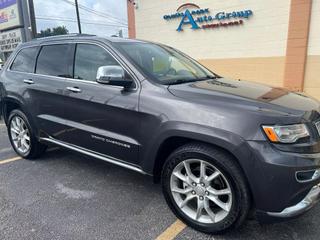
(67, 196)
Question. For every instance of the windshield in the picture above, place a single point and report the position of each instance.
(164, 64)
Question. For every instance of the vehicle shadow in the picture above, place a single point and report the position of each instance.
(305, 227)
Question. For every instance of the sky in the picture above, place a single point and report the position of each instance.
(108, 17)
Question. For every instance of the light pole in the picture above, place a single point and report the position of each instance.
(32, 20)
(78, 16)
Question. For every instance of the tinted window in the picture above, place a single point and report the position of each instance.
(55, 60)
(88, 59)
(164, 64)
(25, 60)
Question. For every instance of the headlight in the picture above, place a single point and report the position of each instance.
(286, 134)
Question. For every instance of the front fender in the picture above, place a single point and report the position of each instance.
(228, 141)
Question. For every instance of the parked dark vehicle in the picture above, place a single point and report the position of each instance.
(221, 148)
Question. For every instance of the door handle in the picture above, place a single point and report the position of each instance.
(74, 89)
(28, 81)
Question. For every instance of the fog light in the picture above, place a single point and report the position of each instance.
(307, 176)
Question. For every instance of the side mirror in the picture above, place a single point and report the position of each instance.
(113, 75)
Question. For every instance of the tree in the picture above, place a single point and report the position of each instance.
(60, 30)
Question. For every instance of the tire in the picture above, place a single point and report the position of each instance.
(25, 134)
(223, 173)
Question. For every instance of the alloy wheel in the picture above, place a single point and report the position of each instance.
(201, 191)
(20, 134)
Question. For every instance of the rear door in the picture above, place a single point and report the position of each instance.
(101, 118)
(17, 78)
(37, 78)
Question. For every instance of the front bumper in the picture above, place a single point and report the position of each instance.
(307, 203)
(277, 192)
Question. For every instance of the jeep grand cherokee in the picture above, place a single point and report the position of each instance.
(220, 147)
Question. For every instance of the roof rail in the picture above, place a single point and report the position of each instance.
(65, 35)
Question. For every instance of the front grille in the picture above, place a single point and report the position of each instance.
(318, 126)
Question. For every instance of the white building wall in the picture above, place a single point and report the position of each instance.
(263, 34)
(312, 75)
(314, 36)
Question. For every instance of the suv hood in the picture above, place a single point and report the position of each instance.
(246, 93)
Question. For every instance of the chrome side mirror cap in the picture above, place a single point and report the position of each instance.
(113, 75)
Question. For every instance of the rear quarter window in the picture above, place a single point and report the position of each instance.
(25, 60)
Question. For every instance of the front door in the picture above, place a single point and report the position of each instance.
(54, 65)
(100, 118)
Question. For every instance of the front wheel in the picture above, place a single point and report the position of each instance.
(205, 188)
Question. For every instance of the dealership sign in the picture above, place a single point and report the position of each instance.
(9, 14)
(10, 40)
(200, 18)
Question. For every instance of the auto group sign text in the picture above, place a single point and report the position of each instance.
(198, 18)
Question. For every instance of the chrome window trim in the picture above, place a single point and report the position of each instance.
(74, 41)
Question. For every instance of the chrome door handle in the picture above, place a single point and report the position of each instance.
(28, 81)
(74, 89)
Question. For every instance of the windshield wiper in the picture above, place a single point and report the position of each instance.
(180, 81)
(209, 77)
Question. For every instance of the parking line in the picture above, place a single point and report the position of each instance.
(10, 160)
(172, 231)
(19, 158)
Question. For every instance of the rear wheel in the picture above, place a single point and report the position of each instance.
(205, 188)
(22, 137)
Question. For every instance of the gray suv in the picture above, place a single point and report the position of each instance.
(221, 148)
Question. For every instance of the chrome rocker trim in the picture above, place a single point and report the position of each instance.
(87, 152)
(311, 199)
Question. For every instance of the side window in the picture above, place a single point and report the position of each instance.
(55, 60)
(88, 59)
(25, 60)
